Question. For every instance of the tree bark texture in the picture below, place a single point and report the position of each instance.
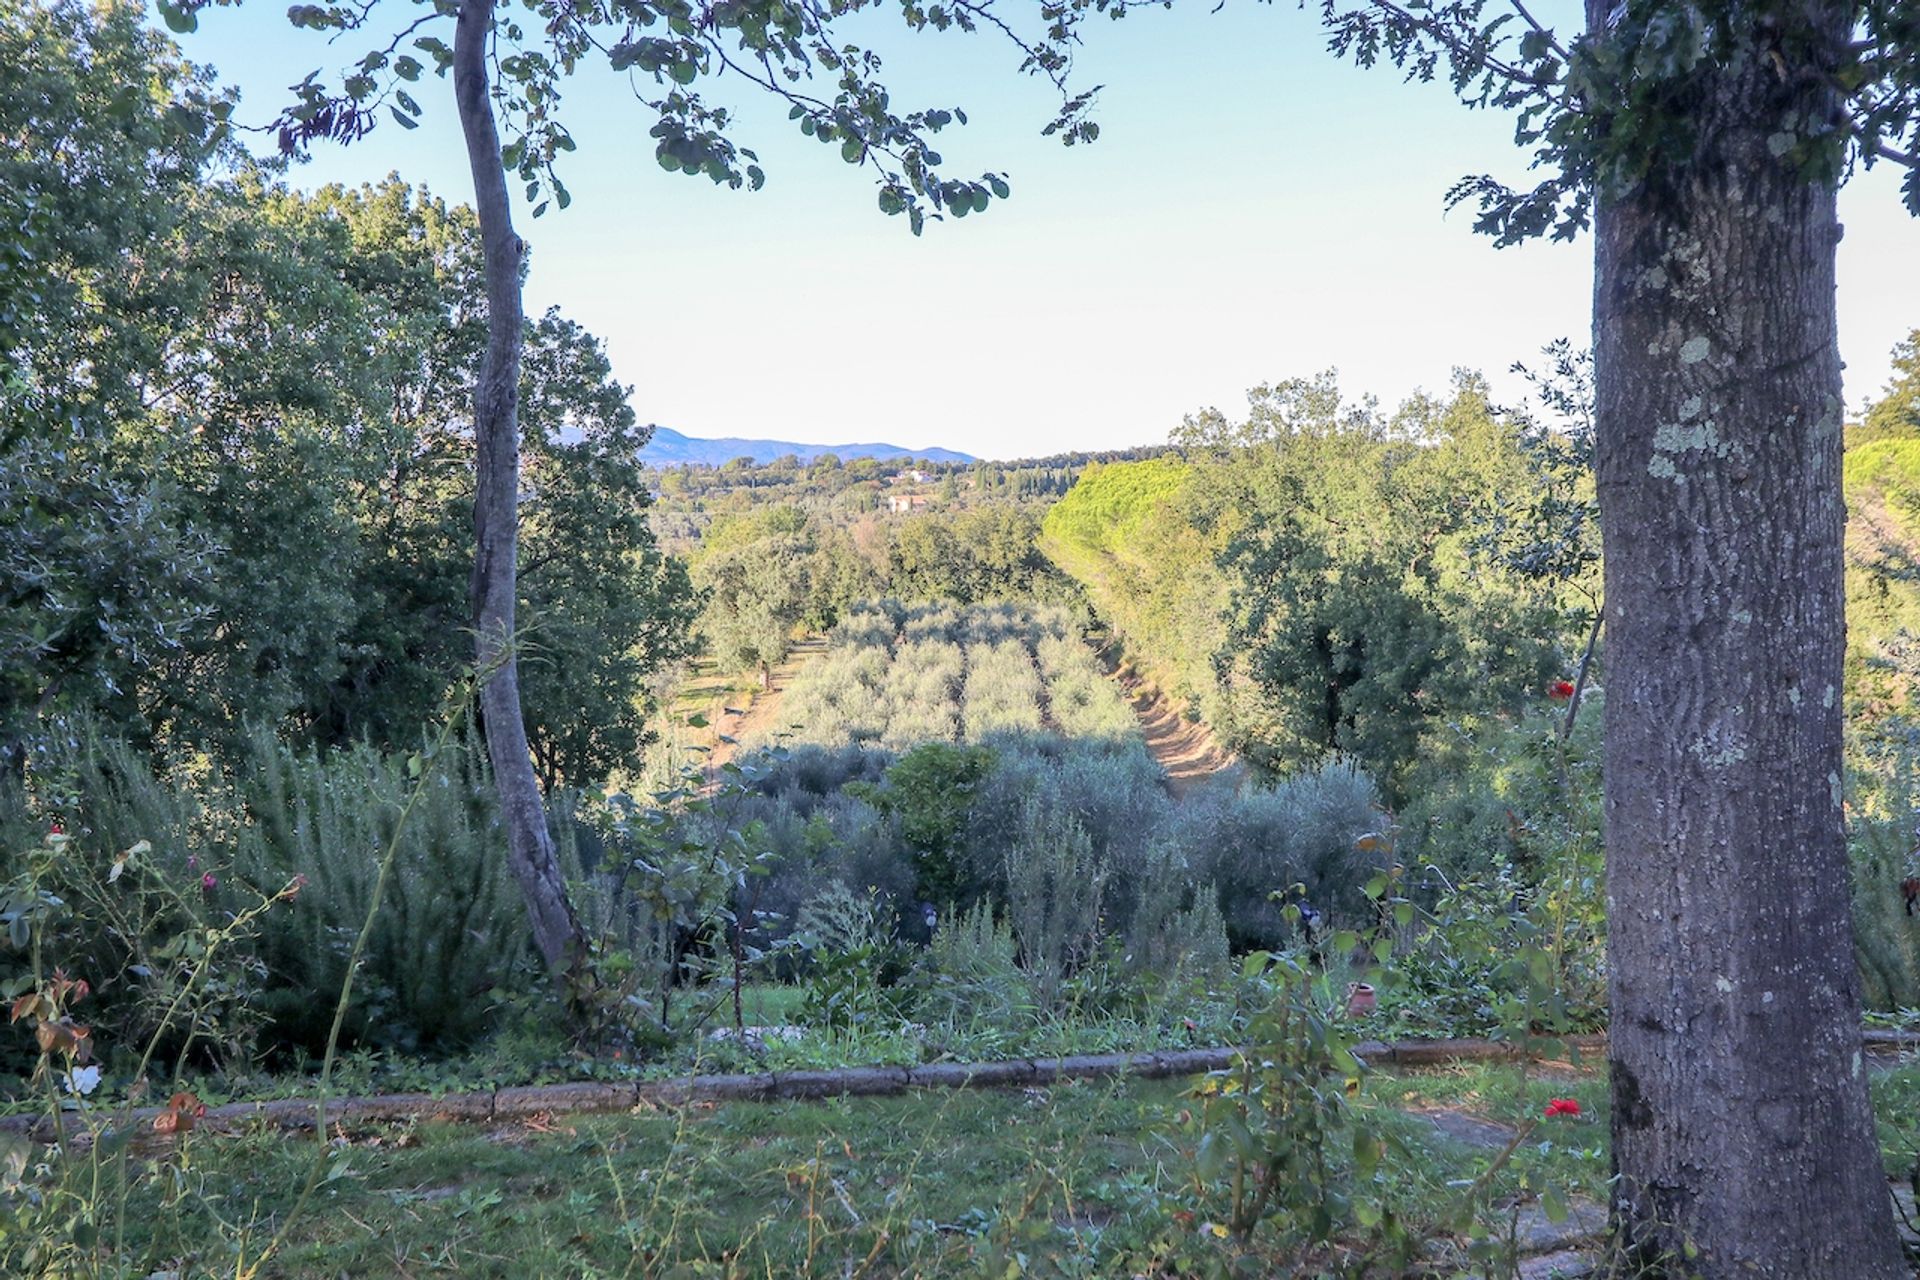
(1742, 1135)
(496, 518)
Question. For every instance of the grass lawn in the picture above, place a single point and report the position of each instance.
(1087, 1178)
(1084, 1179)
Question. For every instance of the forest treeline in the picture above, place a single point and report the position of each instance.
(849, 491)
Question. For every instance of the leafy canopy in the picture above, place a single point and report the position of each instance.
(1613, 114)
(670, 50)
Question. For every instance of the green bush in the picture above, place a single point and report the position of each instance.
(929, 793)
(1175, 930)
(1886, 937)
(854, 966)
(450, 937)
(108, 799)
(970, 982)
(1256, 842)
(1056, 886)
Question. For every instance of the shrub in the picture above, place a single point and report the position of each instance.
(929, 793)
(108, 799)
(969, 979)
(1055, 889)
(1283, 1149)
(1175, 929)
(853, 965)
(1256, 842)
(450, 934)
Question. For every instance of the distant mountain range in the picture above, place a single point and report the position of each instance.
(669, 448)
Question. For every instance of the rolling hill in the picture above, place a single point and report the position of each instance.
(669, 448)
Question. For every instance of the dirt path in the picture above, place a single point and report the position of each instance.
(1186, 750)
(761, 715)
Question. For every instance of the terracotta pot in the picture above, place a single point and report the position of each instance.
(1360, 1000)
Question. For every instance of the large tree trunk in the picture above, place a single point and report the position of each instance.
(496, 517)
(1741, 1129)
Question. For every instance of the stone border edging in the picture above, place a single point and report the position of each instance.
(523, 1101)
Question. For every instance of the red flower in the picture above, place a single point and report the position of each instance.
(1560, 690)
(56, 829)
(1562, 1107)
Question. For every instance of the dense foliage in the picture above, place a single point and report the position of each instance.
(1312, 580)
(257, 504)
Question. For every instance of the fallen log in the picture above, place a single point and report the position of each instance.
(586, 1096)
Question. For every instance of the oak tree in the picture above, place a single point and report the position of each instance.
(1703, 143)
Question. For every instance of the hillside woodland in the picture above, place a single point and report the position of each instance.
(250, 845)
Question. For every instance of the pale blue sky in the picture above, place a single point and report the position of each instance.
(1254, 209)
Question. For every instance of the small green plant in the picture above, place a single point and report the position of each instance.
(66, 1212)
(853, 966)
(674, 894)
(1056, 888)
(1284, 1152)
(969, 980)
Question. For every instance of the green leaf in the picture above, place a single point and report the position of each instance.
(1240, 1136)
(179, 19)
(1367, 1150)
(402, 118)
(1209, 1158)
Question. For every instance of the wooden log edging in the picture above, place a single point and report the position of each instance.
(520, 1102)
(523, 1101)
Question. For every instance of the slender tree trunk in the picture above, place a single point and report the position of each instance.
(1741, 1130)
(496, 517)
